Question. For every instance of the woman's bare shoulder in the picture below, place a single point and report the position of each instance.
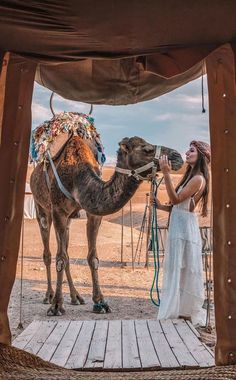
(196, 182)
(198, 178)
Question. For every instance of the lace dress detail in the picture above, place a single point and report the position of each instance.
(182, 289)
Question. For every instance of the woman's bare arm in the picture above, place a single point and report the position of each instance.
(190, 189)
(162, 207)
(166, 208)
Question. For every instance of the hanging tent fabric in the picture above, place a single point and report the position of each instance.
(119, 52)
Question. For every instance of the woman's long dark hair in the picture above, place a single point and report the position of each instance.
(202, 167)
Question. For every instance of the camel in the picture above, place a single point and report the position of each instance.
(80, 174)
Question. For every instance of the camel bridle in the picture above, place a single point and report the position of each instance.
(136, 172)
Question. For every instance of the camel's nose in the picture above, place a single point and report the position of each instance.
(176, 160)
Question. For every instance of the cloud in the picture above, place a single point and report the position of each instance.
(70, 105)
(197, 99)
(163, 117)
(40, 113)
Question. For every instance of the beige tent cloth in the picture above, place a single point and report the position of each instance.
(116, 82)
(16, 364)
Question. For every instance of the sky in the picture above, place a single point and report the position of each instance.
(172, 120)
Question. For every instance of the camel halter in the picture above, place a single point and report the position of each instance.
(135, 172)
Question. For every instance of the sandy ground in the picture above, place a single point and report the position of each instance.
(125, 289)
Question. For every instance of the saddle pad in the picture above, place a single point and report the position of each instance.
(57, 143)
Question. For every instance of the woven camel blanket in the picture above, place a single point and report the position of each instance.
(78, 124)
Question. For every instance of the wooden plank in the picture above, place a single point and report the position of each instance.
(23, 339)
(96, 353)
(198, 351)
(166, 356)
(50, 345)
(177, 345)
(198, 335)
(44, 330)
(116, 344)
(80, 351)
(130, 354)
(113, 354)
(147, 351)
(66, 344)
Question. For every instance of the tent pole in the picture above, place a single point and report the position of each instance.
(16, 87)
(222, 110)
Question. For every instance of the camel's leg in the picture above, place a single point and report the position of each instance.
(93, 224)
(45, 221)
(75, 296)
(60, 221)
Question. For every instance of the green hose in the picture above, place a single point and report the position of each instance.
(155, 247)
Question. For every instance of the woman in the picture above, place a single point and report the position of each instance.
(183, 289)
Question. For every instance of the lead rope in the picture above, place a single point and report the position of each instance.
(20, 325)
(154, 242)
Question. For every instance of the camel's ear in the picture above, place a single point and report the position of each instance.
(124, 144)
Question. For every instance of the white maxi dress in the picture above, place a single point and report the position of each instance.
(183, 288)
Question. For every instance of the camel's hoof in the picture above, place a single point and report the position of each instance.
(48, 298)
(77, 300)
(101, 308)
(55, 310)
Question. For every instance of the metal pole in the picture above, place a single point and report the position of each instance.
(149, 226)
(50, 102)
(131, 230)
(142, 231)
(122, 237)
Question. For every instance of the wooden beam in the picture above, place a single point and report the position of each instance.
(17, 78)
(222, 108)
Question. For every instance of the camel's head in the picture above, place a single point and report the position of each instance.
(135, 152)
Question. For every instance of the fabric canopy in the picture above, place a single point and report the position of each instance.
(115, 52)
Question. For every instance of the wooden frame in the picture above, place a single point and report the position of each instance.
(16, 86)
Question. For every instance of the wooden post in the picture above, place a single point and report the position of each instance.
(222, 108)
(16, 87)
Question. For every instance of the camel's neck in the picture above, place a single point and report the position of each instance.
(103, 198)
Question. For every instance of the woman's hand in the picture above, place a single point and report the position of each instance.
(157, 203)
(160, 206)
(165, 165)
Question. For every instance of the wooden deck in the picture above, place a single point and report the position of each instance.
(116, 345)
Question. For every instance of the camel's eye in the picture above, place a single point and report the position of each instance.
(148, 149)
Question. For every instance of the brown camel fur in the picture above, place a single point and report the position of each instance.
(80, 174)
